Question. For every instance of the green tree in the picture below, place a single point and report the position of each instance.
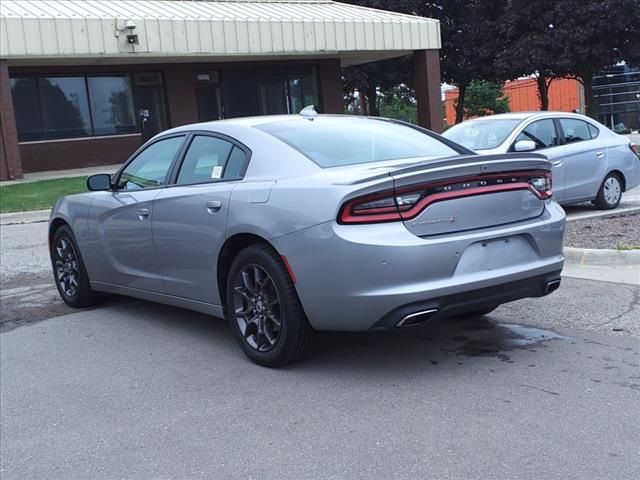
(594, 34)
(470, 42)
(469, 49)
(371, 79)
(528, 30)
(485, 98)
(400, 104)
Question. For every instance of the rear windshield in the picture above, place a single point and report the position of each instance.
(481, 134)
(335, 141)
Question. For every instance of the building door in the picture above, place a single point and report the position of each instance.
(151, 106)
(209, 96)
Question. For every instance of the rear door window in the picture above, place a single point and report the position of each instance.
(541, 132)
(575, 130)
(211, 159)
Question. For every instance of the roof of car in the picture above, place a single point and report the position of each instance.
(527, 115)
(258, 121)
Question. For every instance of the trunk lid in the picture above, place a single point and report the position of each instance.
(471, 192)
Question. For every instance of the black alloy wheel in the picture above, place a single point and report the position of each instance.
(264, 310)
(69, 272)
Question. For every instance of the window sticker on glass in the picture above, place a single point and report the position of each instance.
(216, 172)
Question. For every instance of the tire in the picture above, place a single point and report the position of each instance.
(610, 193)
(263, 309)
(69, 272)
(478, 313)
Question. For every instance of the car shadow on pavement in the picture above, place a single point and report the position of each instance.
(442, 343)
(446, 343)
(580, 208)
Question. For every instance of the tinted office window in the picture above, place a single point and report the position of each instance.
(150, 168)
(240, 90)
(205, 160)
(268, 90)
(27, 108)
(111, 105)
(542, 132)
(575, 130)
(68, 107)
(65, 107)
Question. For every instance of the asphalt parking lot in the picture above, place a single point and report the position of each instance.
(542, 388)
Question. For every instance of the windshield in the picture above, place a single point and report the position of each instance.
(481, 134)
(338, 141)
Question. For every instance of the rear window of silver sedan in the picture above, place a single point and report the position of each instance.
(339, 141)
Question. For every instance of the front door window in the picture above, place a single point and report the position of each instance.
(541, 132)
(151, 167)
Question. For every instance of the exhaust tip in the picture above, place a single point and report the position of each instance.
(552, 287)
(417, 318)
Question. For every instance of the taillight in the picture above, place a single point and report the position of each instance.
(380, 207)
(542, 185)
(409, 202)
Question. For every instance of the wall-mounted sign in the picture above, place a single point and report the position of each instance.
(147, 79)
(208, 77)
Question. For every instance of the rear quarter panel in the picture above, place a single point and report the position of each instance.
(621, 158)
(272, 209)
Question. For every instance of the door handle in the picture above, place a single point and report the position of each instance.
(214, 206)
(600, 154)
(143, 213)
(557, 163)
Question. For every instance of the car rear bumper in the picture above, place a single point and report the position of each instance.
(356, 278)
(470, 301)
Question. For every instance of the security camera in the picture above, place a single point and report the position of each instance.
(130, 25)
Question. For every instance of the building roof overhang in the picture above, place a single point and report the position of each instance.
(36, 32)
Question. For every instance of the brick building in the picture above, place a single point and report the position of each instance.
(86, 82)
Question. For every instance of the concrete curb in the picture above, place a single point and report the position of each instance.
(574, 217)
(601, 257)
(25, 217)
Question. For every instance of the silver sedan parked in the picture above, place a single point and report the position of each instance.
(590, 162)
(291, 224)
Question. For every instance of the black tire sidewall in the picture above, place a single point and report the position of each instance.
(601, 201)
(290, 310)
(84, 297)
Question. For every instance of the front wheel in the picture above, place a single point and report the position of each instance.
(610, 193)
(69, 272)
(264, 310)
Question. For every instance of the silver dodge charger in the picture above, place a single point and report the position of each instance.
(290, 224)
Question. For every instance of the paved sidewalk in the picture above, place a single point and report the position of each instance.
(34, 216)
(53, 174)
(627, 275)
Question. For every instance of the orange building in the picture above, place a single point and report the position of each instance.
(565, 95)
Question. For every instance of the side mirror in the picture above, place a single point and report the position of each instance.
(525, 146)
(99, 182)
